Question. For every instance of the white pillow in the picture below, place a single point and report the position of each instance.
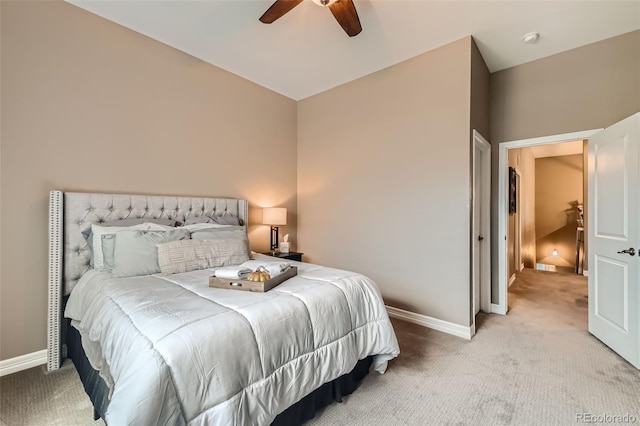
(189, 255)
(99, 231)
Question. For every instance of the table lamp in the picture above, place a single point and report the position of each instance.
(274, 216)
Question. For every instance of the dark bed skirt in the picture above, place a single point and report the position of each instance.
(306, 408)
(298, 413)
(94, 386)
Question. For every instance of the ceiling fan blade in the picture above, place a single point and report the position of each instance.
(345, 13)
(278, 9)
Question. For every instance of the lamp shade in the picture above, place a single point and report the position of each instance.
(274, 216)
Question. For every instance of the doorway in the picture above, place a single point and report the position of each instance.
(503, 219)
(613, 229)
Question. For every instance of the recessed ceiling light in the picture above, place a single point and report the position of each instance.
(531, 38)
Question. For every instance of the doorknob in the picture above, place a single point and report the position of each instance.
(631, 251)
(480, 238)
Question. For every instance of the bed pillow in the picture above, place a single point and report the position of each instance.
(99, 230)
(189, 255)
(220, 220)
(130, 221)
(135, 252)
(221, 232)
(87, 234)
(226, 233)
(108, 245)
(192, 227)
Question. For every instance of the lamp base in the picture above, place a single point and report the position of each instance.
(274, 239)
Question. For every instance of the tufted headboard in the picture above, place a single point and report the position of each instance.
(70, 213)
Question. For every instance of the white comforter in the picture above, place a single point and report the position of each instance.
(175, 351)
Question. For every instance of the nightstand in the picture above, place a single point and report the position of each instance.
(292, 255)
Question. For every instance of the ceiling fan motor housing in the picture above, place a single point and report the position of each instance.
(343, 10)
(324, 2)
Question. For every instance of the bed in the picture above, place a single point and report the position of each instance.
(165, 348)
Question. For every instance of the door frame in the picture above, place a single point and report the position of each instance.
(501, 234)
(484, 226)
(517, 249)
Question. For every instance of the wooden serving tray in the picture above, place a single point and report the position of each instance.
(246, 285)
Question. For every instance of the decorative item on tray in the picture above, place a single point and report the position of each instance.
(253, 276)
(261, 274)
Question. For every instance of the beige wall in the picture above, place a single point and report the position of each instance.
(585, 197)
(558, 190)
(528, 203)
(586, 88)
(88, 105)
(523, 161)
(383, 180)
(480, 93)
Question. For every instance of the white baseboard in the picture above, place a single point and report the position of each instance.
(429, 322)
(511, 280)
(497, 309)
(19, 363)
(585, 273)
(521, 266)
(545, 267)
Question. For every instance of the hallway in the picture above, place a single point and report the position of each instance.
(550, 300)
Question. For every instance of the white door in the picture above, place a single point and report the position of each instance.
(614, 237)
(477, 233)
(481, 226)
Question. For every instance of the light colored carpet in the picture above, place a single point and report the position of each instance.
(536, 366)
(36, 397)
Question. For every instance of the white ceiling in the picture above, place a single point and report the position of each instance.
(306, 52)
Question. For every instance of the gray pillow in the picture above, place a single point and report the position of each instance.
(220, 220)
(108, 245)
(230, 233)
(135, 252)
(98, 231)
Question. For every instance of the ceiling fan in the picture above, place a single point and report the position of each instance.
(343, 10)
